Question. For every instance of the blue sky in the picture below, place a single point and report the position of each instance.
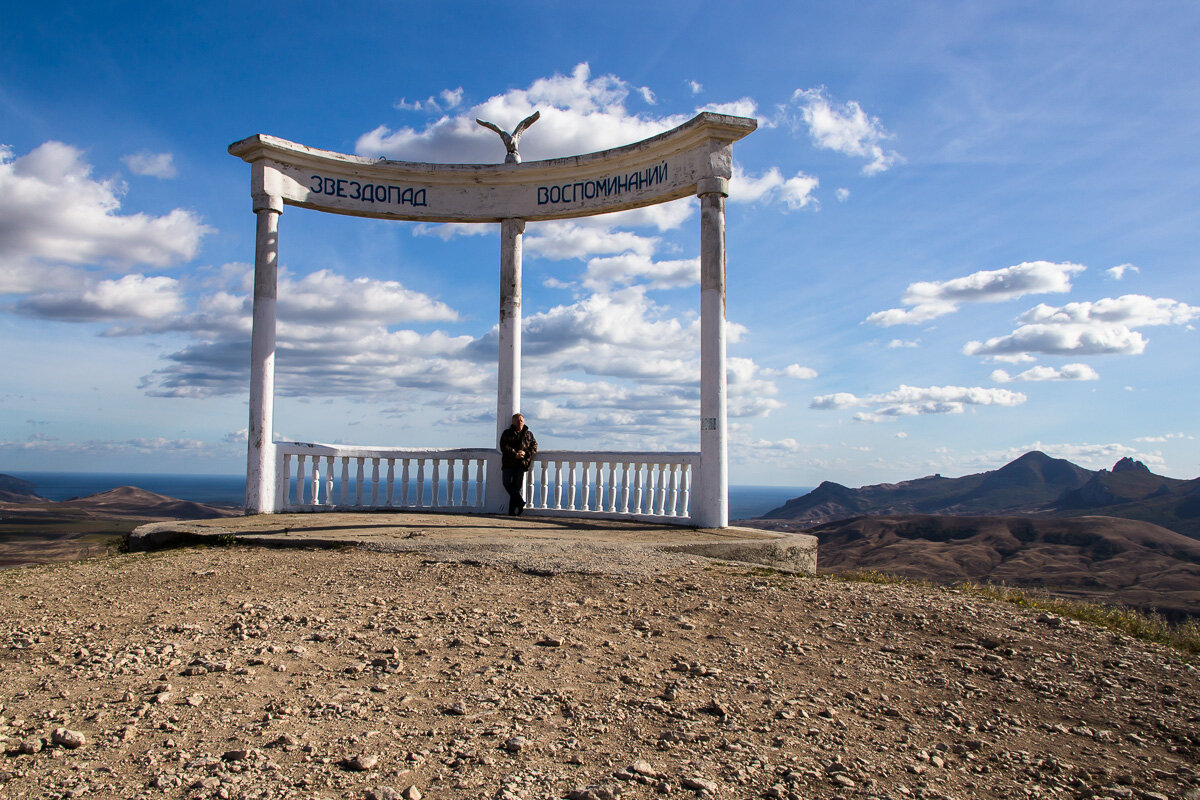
(962, 231)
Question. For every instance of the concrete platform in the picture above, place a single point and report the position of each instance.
(481, 537)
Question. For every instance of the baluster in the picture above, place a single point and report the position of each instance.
(686, 480)
(600, 499)
(358, 481)
(316, 481)
(329, 480)
(287, 479)
(527, 491)
(404, 483)
(558, 485)
(571, 486)
(345, 478)
(436, 499)
(480, 480)
(662, 489)
(624, 487)
(391, 480)
(300, 480)
(545, 495)
(612, 478)
(420, 483)
(637, 488)
(374, 481)
(450, 481)
(586, 505)
(673, 494)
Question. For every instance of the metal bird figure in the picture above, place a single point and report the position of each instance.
(511, 140)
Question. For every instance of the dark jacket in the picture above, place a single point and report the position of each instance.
(510, 442)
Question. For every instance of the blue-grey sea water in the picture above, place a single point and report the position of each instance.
(744, 501)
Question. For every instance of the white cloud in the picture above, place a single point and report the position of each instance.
(54, 215)
(931, 299)
(843, 194)
(154, 165)
(1068, 372)
(647, 95)
(745, 107)
(1118, 272)
(130, 297)
(628, 268)
(800, 373)
(795, 192)
(847, 130)
(570, 239)
(1164, 438)
(580, 114)
(907, 401)
(694, 87)
(1103, 327)
(896, 344)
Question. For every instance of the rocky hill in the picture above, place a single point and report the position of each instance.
(1100, 558)
(16, 490)
(1033, 485)
(236, 673)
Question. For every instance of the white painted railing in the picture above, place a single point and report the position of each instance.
(312, 477)
(654, 487)
(645, 486)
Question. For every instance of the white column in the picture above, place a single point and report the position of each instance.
(508, 364)
(711, 495)
(260, 457)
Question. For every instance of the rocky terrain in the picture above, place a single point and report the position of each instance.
(34, 530)
(1105, 559)
(238, 673)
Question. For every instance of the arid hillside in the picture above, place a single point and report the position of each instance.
(238, 673)
(1107, 559)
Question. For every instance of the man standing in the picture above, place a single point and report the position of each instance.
(517, 448)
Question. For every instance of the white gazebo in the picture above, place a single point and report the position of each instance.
(682, 488)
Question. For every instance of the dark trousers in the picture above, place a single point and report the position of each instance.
(513, 480)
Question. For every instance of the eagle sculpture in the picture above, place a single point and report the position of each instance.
(511, 139)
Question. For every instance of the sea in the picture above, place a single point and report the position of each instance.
(745, 502)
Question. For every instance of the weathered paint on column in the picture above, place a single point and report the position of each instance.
(508, 388)
(260, 456)
(712, 508)
(508, 363)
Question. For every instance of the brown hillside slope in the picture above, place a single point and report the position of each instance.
(226, 672)
(1118, 560)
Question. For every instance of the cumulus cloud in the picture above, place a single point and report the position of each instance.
(628, 268)
(694, 87)
(906, 401)
(1104, 327)
(745, 107)
(897, 344)
(795, 192)
(580, 114)
(843, 194)
(846, 129)
(559, 240)
(800, 373)
(130, 297)
(1118, 272)
(1068, 372)
(154, 165)
(54, 216)
(928, 300)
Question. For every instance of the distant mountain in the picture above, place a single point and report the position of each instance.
(1116, 560)
(1033, 485)
(132, 501)
(15, 490)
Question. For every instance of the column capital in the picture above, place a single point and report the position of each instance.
(712, 186)
(515, 222)
(267, 202)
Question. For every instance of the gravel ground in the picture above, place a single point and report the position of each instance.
(254, 673)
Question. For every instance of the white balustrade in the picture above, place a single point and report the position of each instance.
(462, 490)
(612, 485)
(568, 483)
